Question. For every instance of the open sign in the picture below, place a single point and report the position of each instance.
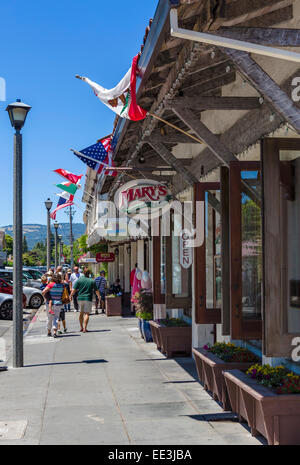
(186, 251)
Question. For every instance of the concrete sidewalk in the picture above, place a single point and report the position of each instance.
(107, 387)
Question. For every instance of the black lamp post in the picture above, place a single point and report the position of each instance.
(56, 226)
(48, 205)
(17, 112)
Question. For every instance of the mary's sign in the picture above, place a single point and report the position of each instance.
(141, 196)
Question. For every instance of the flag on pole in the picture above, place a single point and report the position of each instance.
(68, 187)
(94, 156)
(62, 203)
(73, 178)
(107, 143)
(122, 98)
(98, 156)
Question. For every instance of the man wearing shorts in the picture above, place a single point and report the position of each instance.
(100, 282)
(84, 289)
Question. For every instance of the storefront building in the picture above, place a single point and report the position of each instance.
(242, 281)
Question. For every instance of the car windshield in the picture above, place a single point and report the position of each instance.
(35, 274)
(27, 275)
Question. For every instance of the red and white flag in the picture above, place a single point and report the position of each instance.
(106, 142)
(73, 178)
(62, 203)
(122, 98)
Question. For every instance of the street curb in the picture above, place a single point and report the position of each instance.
(31, 319)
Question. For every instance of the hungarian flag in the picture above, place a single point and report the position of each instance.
(122, 98)
(68, 187)
(62, 203)
(73, 178)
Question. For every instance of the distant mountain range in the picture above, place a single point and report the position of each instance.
(38, 232)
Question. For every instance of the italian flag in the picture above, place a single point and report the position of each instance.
(122, 98)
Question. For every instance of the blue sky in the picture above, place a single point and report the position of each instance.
(43, 46)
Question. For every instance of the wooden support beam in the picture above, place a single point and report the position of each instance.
(214, 202)
(209, 85)
(202, 103)
(263, 35)
(171, 160)
(244, 10)
(221, 152)
(191, 121)
(189, 178)
(264, 84)
(173, 138)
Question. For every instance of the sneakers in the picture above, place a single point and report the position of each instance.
(59, 332)
(65, 330)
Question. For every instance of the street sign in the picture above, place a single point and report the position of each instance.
(105, 257)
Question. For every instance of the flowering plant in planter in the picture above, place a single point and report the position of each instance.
(171, 322)
(277, 378)
(145, 306)
(229, 352)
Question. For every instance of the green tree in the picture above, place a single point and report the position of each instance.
(8, 244)
(25, 245)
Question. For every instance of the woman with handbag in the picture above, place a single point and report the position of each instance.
(56, 290)
(66, 301)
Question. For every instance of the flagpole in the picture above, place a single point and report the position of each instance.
(176, 127)
(107, 167)
(89, 158)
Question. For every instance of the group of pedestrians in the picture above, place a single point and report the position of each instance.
(60, 289)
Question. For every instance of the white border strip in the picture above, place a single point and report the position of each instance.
(220, 41)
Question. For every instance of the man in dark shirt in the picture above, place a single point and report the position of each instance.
(84, 288)
(100, 282)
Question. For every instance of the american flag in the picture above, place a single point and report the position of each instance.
(62, 203)
(96, 154)
(109, 145)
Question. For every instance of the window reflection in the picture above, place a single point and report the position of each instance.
(290, 189)
(251, 249)
(213, 251)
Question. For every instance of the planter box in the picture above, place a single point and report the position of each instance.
(210, 368)
(276, 417)
(113, 306)
(172, 341)
(155, 333)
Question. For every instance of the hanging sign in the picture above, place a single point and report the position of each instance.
(142, 194)
(185, 251)
(105, 257)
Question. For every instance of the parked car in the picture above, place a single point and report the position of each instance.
(33, 296)
(6, 288)
(6, 307)
(34, 273)
(7, 275)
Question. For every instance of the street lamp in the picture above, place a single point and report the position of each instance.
(17, 112)
(56, 226)
(48, 205)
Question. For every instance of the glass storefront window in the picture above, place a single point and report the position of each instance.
(213, 252)
(290, 186)
(251, 249)
(163, 264)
